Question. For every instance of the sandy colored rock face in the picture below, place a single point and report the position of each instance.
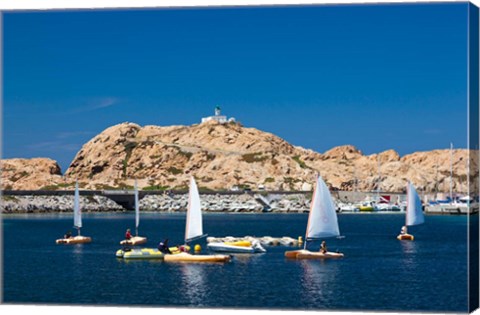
(221, 156)
(29, 174)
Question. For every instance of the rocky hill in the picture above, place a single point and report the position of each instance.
(221, 156)
(30, 174)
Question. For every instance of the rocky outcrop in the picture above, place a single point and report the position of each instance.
(30, 174)
(222, 156)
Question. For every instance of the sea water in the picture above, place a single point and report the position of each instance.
(378, 272)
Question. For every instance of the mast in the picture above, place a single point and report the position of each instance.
(355, 178)
(436, 180)
(137, 210)
(311, 211)
(451, 172)
(406, 209)
(379, 179)
(188, 210)
(77, 215)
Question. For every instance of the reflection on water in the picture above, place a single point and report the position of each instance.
(317, 281)
(409, 247)
(194, 288)
(409, 257)
(246, 258)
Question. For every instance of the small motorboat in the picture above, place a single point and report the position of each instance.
(237, 247)
(186, 257)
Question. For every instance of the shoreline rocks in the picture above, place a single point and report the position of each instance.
(156, 203)
(47, 204)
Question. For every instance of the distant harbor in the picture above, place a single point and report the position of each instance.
(16, 201)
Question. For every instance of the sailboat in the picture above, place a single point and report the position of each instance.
(135, 240)
(194, 230)
(414, 213)
(322, 223)
(77, 223)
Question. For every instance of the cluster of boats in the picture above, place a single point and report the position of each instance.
(322, 223)
(369, 205)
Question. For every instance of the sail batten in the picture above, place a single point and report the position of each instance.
(194, 225)
(77, 214)
(322, 220)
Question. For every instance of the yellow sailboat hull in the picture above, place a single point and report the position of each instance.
(146, 253)
(136, 240)
(405, 237)
(79, 239)
(306, 254)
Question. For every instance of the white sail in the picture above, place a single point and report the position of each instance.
(137, 208)
(194, 226)
(322, 220)
(77, 214)
(414, 207)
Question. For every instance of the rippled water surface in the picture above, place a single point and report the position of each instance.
(377, 273)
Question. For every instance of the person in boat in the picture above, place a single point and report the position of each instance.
(163, 247)
(128, 234)
(323, 247)
(68, 235)
(403, 231)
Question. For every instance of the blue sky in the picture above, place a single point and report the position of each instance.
(375, 76)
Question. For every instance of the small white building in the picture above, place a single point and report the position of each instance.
(218, 117)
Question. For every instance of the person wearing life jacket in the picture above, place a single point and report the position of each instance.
(128, 235)
(323, 247)
(163, 247)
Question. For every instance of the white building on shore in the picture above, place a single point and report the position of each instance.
(218, 117)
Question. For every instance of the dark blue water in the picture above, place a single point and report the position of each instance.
(377, 273)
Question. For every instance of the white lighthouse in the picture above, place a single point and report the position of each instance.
(218, 117)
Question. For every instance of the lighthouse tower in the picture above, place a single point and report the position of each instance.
(217, 111)
(218, 117)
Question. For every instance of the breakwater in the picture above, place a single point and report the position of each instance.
(176, 201)
(165, 202)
